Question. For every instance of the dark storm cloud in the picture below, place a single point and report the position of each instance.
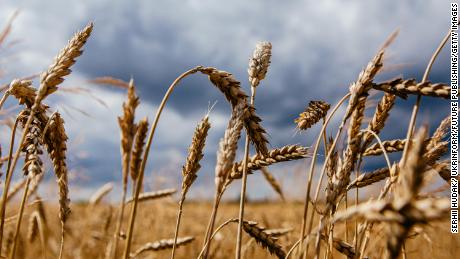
(319, 48)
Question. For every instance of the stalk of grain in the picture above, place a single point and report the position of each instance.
(162, 245)
(49, 81)
(358, 94)
(394, 145)
(127, 132)
(225, 158)
(100, 193)
(258, 67)
(273, 182)
(402, 88)
(191, 168)
(231, 88)
(148, 196)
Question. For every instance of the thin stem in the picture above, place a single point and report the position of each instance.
(61, 247)
(312, 168)
(176, 232)
(213, 234)
(144, 159)
(19, 219)
(210, 228)
(243, 188)
(7, 181)
(4, 97)
(116, 235)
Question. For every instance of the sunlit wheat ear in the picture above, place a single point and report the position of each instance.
(263, 239)
(343, 247)
(100, 193)
(138, 148)
(195, 154)
(147, 196)
(276, 186)
(342, 178)
(56, 142)
(410, 180)
(227, 148)
(32, 147)
(315, 111)
(364, 82)
(161, 245)
(55, 74)
(381, 115)
(277, 155)
(403, 88)
(390, 146)
(128, 129)
(369, 178)
(232, 91)
(441, 132)
(259, 63)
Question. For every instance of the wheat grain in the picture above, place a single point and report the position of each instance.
(402, 88)
(138, 149)
(55, 74)
(231, 89)
(195, 154)
(148, 196)
(262, 238)
(277, 155)
(315, 111)
(390, 146)
(162, 245)
(259, 63)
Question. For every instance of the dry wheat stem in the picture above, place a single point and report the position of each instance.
(356, 105)
(148, 196)
(402, 88)
(8, 179)
(312, 167)
(19, 220)
(161, 245)
(100, 193)
(139, 181)
(273, 182)
(225, 158)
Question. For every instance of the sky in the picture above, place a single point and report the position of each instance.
(319, 48)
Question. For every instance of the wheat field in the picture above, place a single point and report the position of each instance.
(403, 219)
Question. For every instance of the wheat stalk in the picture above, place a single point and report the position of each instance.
(148, 196)
(191, 168)
(273, 182)
(225, 158)
(162, 245)
(402, 88)
(100, 193)
(394, 145)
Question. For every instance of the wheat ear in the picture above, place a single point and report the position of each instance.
(191, 168)
(315, 111)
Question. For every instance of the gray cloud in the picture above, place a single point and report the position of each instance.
(319, 48)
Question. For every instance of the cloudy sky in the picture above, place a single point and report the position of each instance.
(319, 47)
